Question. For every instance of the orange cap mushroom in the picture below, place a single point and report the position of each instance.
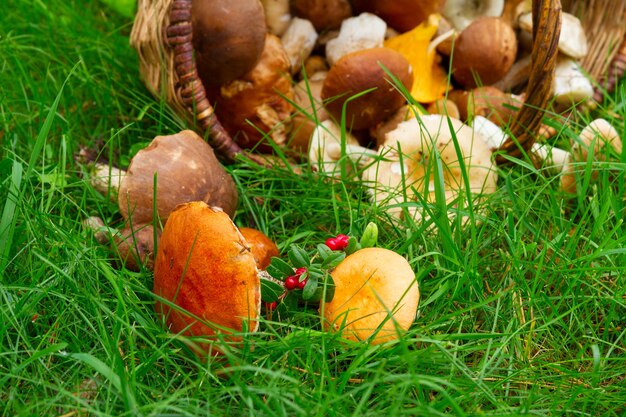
(376, 296)
(205, 266)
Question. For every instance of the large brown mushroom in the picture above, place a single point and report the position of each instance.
(228, 38)
(364, 70)
(206, 277)
(324, 14)
(185, 169)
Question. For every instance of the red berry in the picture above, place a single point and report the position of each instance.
(331, 242)
(271, 306)
(300, 271)
(342, 241)
(302, 283)
(291, 282)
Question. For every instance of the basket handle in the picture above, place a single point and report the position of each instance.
(527, 122)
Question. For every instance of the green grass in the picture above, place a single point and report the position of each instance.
(523, 312)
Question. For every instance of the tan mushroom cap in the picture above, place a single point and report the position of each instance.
(361, 71)
(416, 140)
(596, 137)
(186, 170)
(263, 248)
(376, 295)
(205, 267)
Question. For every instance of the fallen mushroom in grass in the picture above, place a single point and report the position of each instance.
(376, 296)
(406, 165)
(206, 278)
(359, 87)
(185, 169)
(600, 138)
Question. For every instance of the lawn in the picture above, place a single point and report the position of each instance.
(523, 310)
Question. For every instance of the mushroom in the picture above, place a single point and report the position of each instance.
(298, 41)
(572, 41)
(277, 16)
(206, 278)
(404, 113)
(461, 13)
(324, 14)
(445, 107)
(228, 38)
(325, 134)
(364, 31)
(401, 15)
(376, 296)
(487, 101)
(484, 52)
(493, 135)
(406, 167)
(135, 246)
(185, 169)
(309, 111)
(262, 247)
(570, 84)
(600, 138)
(256, 106)
(364, 73)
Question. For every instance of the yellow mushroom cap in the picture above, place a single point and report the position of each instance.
(376, 295)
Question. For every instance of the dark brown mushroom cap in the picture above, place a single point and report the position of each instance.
(186, 169)
(228, 38)
(204, 266)
(363, 70)
(402, 15)
(484, 52)
(323, 14)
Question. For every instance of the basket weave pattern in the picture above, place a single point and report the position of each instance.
(162, 36)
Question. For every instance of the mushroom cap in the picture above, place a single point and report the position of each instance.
(135, 246)
(363, 70)
(461, 13)
(417, 139)
(228, 38)
(402, 15)
(186, 169)
(573, 40)
(256, 105)
(376, 295)
(263, 248)
(324, 14)
(487, 101)
(309, 111)
(596, 137)
(484, 52)
(204, 266)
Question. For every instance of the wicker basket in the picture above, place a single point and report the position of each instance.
(162, 37)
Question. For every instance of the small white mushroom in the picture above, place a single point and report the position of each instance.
(406, 163)
(298, 41)
(570, 84)
(356, 33)
(325, 134)
(106, 179)
(552, 158)
(277, 15)
(460, 13)
(598, 137)
(572, 42)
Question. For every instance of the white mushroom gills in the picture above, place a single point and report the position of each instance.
(356, 33)
(460, 13)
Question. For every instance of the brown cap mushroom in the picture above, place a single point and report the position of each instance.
(402, 15)
(256, 105)
(309, 111)
(228, 38)
(487, 101)
(484, 52)
(262, 247)
(364, 70)
(206, 275)
(376, 296)
(186, 169)
(324, 14)
(135, 246)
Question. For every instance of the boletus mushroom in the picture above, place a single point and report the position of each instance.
(186, 169)
(205, 277)
(376, 296)
(263, 248)
(324, 14)
(402, 15)
(228, 38)
(365, 72)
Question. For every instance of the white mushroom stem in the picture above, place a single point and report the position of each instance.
(440, 39)
(460, 13)
(356, 33)
(277, 15)
(298, 41)
(490, 132)
(101, 232)
(106, 179)
(356, 153)
(554, 159)
(570, 84)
